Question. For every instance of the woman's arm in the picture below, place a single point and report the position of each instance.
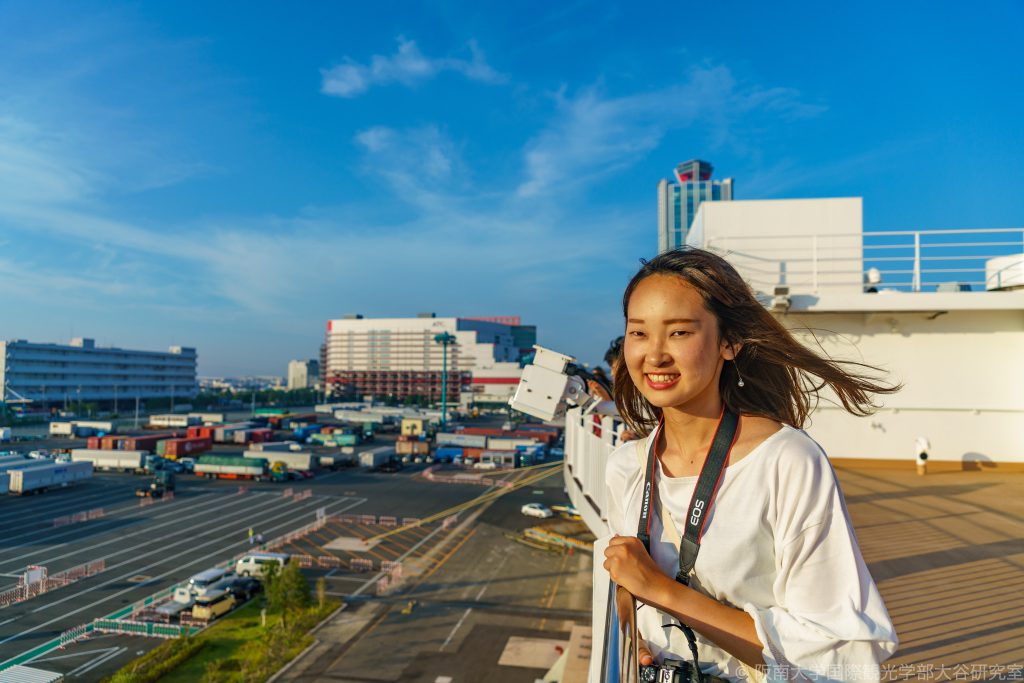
(727, 627)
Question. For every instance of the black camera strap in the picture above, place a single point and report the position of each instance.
(700, 503)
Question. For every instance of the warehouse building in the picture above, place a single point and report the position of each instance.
(59, 374)
(402, 358)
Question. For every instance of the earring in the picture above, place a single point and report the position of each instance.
(739, 383)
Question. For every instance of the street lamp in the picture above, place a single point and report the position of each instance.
(444, 339)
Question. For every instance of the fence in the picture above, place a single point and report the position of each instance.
(29, 587)
(430, 475)
(78, 517)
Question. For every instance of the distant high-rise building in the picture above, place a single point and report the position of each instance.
(303, 374)
(678, 200)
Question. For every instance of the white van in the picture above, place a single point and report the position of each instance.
(204, 581)
(253, 563)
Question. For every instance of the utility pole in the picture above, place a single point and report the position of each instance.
(444, 339)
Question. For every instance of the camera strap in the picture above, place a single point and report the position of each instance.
(700, 504)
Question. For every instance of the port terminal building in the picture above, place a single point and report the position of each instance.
(42, 375)
(402, 358)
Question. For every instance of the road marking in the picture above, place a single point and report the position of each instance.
(400, 558)
(161, 548)
(159, 576)
(73, 654)
(89, 666)
(225, 502)
(9, 620)
(456, 628)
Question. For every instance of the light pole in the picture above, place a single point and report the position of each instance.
(444, 339)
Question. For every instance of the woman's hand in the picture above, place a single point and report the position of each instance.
(631, 567)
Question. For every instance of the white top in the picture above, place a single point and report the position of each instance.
(777, 544)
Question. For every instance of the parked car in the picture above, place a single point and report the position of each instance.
(253, 563)
(205, 582)
(212, 605)
(244, 587)
(537, 510)
(41, 454)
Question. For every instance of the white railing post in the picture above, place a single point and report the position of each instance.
(917, 262)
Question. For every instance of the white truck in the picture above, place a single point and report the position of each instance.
(375, 457)
(5, 434)
(62, 429)
(181, 600)
(50, 475)
(125, 461)
(301, 461)
(81, 428)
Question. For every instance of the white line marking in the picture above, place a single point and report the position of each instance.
(85, 668)
(163, 547)
(8, 621)
(360, 501)
(456, 628)
(73, 654)
(406, 554)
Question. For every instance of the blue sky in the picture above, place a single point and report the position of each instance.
(229, 176)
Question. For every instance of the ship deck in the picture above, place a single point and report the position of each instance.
(947, 552)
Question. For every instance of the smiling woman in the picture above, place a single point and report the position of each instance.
(741, 531)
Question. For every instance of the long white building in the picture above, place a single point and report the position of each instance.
(401, 357)
(81, 371)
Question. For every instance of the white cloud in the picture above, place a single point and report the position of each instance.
(593, 136)
(408, 66)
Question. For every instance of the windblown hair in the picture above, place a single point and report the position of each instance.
(782, 377)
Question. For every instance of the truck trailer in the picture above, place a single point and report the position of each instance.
(231, 467)
(375, 457)
(124, 461)
(172, 421)
(49, 475)
(302, 461)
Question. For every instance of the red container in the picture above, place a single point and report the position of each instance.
(93, 442)
(110, 443)
(472, 453)
(179, 448)
(144, 443)
(261, 435)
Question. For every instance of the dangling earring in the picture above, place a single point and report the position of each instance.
(739, 383)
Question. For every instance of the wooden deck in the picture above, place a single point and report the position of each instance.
(947, 552)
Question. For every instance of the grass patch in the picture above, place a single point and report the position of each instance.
(235, 649)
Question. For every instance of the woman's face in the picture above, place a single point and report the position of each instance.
(672, 348)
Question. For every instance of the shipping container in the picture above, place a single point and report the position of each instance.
(125, 461)
(8, 462)
(179, 448)
(471, 454)
(468, 440)
(208, 418)
(231, 467)
(447, 453)
(308, 418)
(412, 448)
(94, 442)
(142, 443)
(375, 457)
(276, 412)
(302, 461)
(165, 421)
(495, 443)
(276, 446)
(49, 475)
(62, 428)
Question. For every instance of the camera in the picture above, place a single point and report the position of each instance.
(670, 671)
(551, 385)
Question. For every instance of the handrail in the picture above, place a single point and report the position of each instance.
(900, 260)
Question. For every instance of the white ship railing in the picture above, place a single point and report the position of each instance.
(589, 440)
(903, 260)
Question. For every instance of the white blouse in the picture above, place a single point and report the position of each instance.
(777, 544)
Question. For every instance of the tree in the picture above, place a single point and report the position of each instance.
(287, 590)
(321, 592)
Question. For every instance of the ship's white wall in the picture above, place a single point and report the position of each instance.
(963, 376)
(810, 245)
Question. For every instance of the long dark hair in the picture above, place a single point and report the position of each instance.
(782, 377)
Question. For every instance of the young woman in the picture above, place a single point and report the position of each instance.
(779, 589)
